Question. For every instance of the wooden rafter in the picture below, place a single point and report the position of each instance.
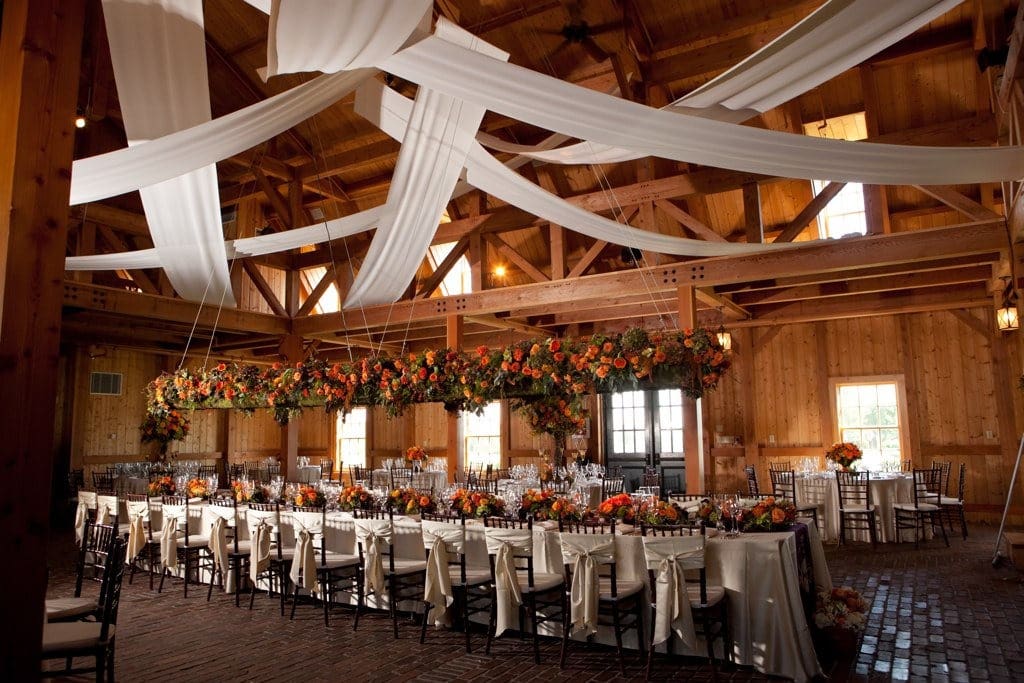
(139, 277)
(956, 200)
(264, 288)
(329, 278)
(509, 252)
(506, 324)
(698, 228)
(443, 268)
(813, 208)
(730, 309)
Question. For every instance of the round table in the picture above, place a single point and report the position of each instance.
(886, 490)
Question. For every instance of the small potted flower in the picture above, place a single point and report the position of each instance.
(844, 454)
(839, 619)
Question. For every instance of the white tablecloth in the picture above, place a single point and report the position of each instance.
(425, 479)
(821, 489)
(307, 474)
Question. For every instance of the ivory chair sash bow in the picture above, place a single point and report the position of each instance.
(259, 553)
(138, 517)
(106, 509)
(505, 545)
(440, 539)
(174, 518)
(86, 502)
(374, 536)
(218, 546)
(585, 553)
(308, 526)
(669, 558)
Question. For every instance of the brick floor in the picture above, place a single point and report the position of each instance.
(935, 614)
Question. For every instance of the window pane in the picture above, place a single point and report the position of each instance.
(851, 435)
(869, 415)
(887, 416)
(887, 394)
(617, 446)
(867, 394)
(890, 438)
(848, 395)
(849, 416)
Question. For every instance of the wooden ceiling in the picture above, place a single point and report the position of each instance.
(926, 90)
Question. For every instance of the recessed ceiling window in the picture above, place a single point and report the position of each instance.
(844, 215)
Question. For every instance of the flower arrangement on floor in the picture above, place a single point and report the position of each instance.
(661, 512)
(844, 454)
(415, 455)
(352, 497)
(308, 496)
(842, 608)
(409, 501)
(162, 486)
(198, 488)
(770, 514)
(476, 503)
(620, 507)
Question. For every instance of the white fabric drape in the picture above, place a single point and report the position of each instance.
(311, 35)
(259, 550)
(573, 110)
(106, 509)
(837, 36)
(506, 545)
(438, 537)
(390, 111)
(174, 516)
(304, 563)
(585, 553)
(375, 536)
(138, 516)
(86, 502)
(218, 545)
(669, 557)
(434, 148)
(158, 51)
(182, 151)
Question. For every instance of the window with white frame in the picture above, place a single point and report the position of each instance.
(869, 414)
(845, 214)
(351, 450)
(629, 422)
(481, 437)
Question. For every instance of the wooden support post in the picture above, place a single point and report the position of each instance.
(745, 337)
(40, 52)
(693, 447)
(876, 201)
(752, 212)
(454, 341)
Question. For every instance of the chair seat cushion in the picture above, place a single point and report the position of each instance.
(949, 500)
(244, 547)
(337, 560)
(920, 507)
(194, 542)
(542, 581)
(623, 588)
(60, 609)
(806, 508)
(857, 508)
(403, 567)
(715, 595)
(474, 577)
(72, 635)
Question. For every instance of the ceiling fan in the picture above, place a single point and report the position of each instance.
(577, 31)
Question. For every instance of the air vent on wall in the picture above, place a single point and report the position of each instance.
(105, 384)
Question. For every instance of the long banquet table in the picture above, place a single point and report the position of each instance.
(758, 571)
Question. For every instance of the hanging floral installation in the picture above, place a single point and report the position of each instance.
(547, 379)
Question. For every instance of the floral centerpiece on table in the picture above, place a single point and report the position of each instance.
(661, 512)
(543, 504)
(162, 486)
(308, 496)
(771, 514)
(620, 507)
(241, 491)
(546, 471)
(709, 513)
(198, 488)
(260, 494)
(476, 503)
(409, 501)
(844, 454)
(841, 608)
(415, 455)
(352, 497)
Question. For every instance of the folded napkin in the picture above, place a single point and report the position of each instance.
(586, 552)
(259, 551)
(669, 557)
(304, 562)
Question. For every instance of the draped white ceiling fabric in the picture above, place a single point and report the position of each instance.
(311, 35)
(440, 132)
(149, 163)
(390, 111)
(158, 51)
(570, 109)
(837, 36)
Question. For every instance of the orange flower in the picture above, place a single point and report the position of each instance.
(620, 363)
(778, 516)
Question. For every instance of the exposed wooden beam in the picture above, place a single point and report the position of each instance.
(728, 307)
(926, 46)
(276, 200)
(314, 297)
(962, 203)
(138, 276)
(264, 288)
(506, 324)
(509, 252)
(443, 268)
(97, 298)
(973, 323)
(687, 221)
(753, 226)
(813, 208)
(119, 219)
(815, 257)
(588, 259)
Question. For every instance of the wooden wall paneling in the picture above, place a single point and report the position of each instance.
(253, 433)
(906, 352)
(204, 434)
(826, 420)
(388, 432)
(111, 423)
(431, 433)
(315, 429)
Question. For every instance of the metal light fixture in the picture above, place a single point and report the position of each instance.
(1007, 315)
(725, 340)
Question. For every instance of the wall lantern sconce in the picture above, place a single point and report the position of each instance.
(725, 340)
(1007, 315)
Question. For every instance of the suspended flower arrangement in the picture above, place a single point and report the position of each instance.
(547, 378)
